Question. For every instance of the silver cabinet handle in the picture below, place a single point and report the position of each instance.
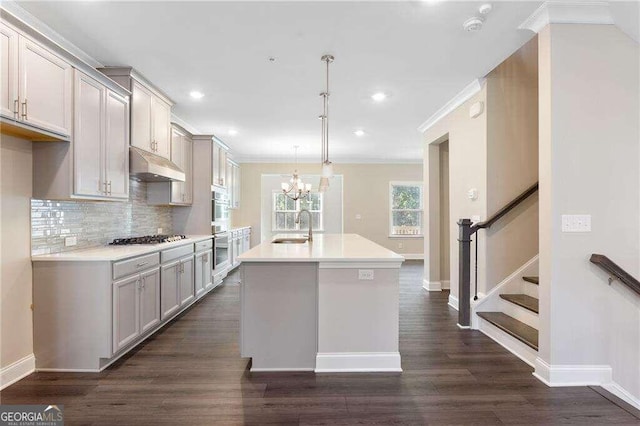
(138, 284)
(142, 282)
(109, 187)
(24, 110)
(16, 107)
(141, 264)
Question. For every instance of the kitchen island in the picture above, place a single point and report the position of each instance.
(327, 305)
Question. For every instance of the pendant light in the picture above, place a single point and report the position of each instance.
(327, 166)
(295, 188)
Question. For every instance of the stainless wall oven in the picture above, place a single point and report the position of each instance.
(220, 212)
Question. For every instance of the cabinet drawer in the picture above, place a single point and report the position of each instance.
(204, 245)
(172, 254)
(137, 264)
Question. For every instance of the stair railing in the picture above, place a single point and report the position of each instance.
(466, 229)
(616, 273)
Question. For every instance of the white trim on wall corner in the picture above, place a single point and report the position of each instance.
(568, 12)
(453, 302)
(464, 95)
(572, 375)
(432, 285)
(358, 362)
(446, 284)
(17, 370)
(622, 393)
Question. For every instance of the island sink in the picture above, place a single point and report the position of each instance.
(292, 240)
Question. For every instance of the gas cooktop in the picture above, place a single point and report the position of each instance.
(147, 239)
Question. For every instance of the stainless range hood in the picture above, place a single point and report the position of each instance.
(149, 167)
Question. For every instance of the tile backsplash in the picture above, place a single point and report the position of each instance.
(95, 223)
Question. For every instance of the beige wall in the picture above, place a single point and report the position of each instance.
(16, 326)
(467, 169)
(512, 161)
(366, 192)
(589, 164)
(495, 153)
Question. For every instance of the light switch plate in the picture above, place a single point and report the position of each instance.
(475, 218)
(365, 274)
(159, 231)
(70, 241)
(358, 216)
(576, 223)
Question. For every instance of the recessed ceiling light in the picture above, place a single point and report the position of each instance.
(196, 95)
(473, 24)
(379, 97)
(359, 132)
(232, 132)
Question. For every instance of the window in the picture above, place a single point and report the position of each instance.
(285, 211)
(405, 200)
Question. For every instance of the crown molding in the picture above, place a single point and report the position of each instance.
(47, 32)
(565, 12)
(465, 94)
(180, 122)
(315, 161)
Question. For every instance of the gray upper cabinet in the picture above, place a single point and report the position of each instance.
(100, 141)
(150, 111)
(176, 193)
(37, 84)
(219, 164)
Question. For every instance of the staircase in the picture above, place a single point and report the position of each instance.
(509, 313)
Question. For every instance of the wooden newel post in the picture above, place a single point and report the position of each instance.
(464, 273)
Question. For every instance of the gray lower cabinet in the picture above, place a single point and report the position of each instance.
(186, 279)
(170, 300)
(203, 272)
(136, 307)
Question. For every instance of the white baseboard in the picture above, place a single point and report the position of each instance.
(412, 256)
(269, 370)
(343, 362)
(572, 375)
(621, 393)
(513, 345)
(432, 285)
(453, 302)
(446, 284)
(16, 371)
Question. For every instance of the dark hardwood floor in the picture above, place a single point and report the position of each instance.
(190, 373)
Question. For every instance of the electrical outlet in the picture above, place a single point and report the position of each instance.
(365, 274)
(576, 223)
(159, 231)
(70, 241)
(400, 245)
(358, 216)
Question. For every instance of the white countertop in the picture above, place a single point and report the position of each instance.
(323, 248)
(111, 253)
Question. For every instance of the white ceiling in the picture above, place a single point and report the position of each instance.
(417, 52)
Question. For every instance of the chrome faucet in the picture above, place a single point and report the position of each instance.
(310, 221)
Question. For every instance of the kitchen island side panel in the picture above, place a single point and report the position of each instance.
(279, 315)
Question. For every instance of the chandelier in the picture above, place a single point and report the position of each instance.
(327, 166)
(295, 188)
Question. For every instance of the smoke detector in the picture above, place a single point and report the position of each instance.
(473, 24)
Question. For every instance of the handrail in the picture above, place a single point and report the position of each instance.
(506, 209)
(615, 271)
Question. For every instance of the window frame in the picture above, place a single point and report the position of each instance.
(297, 207)
(391, 210)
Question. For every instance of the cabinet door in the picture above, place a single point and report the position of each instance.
(126, 314)
(177, 157)
(9, 103)
(45, 88)
(223, 168)
(207, 268)
(161, 127)
(88, 135)
(149, 300)
(116, 145)
(200, 284)
(170, 289)
(188, 170)
(215, 162)
(141, 117)
(187, 290)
